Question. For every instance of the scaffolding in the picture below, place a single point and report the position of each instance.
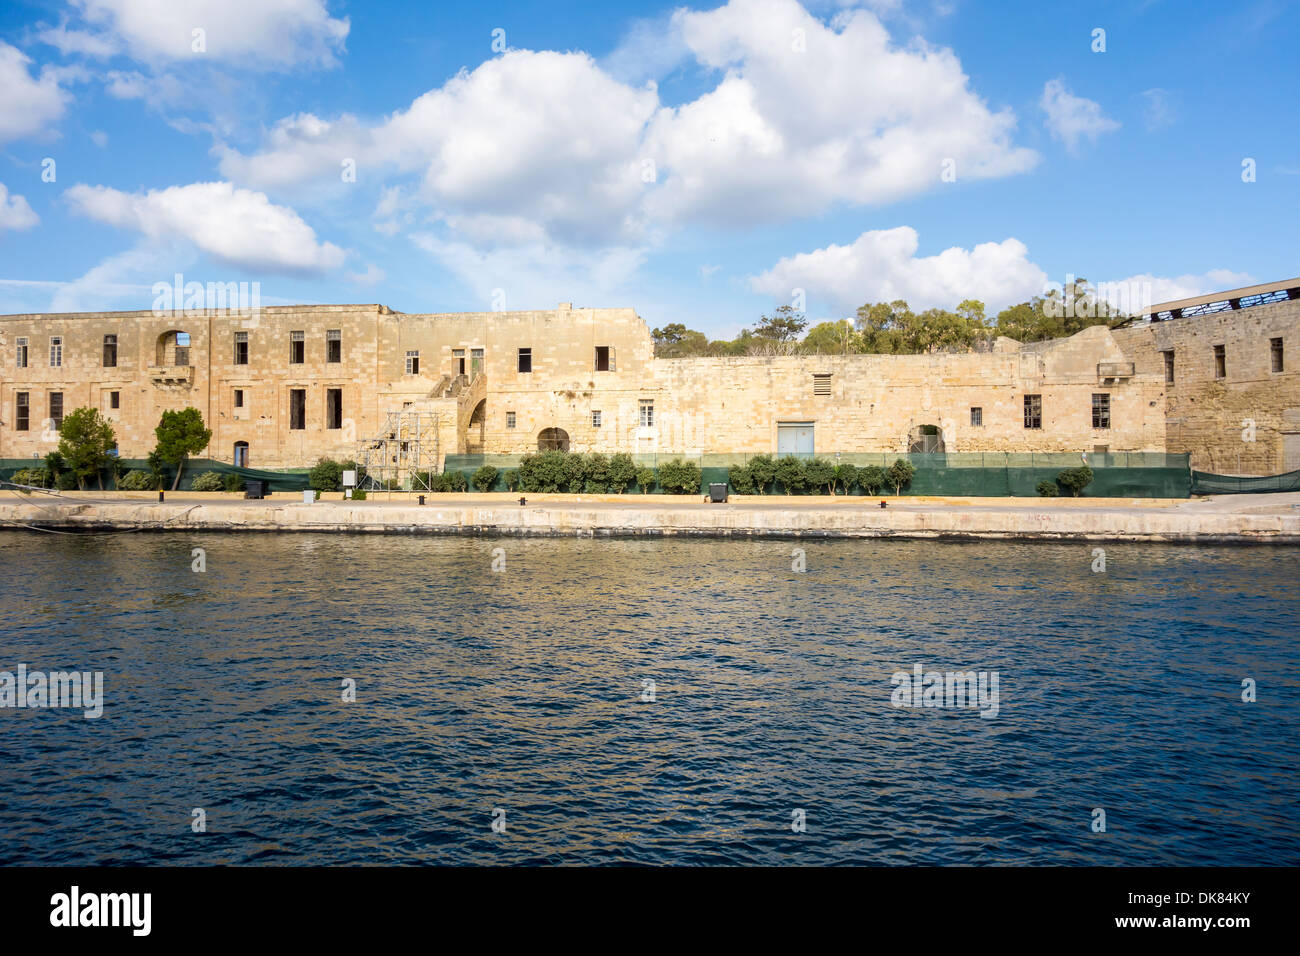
(404, 455)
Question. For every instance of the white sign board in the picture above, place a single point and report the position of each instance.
(349, 479)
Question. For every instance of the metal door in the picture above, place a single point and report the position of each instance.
(794, 438)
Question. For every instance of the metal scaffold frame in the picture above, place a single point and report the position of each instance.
(404, 454)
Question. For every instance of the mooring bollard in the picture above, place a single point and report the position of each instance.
(883, 505)
(421, 497)
(523, 501)
(160, 496)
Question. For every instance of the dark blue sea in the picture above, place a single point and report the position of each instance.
(662, 701)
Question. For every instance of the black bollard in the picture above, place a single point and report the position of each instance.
(523, 501)
(421, 497)
(883, 505)
(160, 496)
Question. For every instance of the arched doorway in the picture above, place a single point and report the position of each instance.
(553, 439)
(172, 348)
(475, 435)
(926, 440)
(241, 454)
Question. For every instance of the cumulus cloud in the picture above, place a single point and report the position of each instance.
(882, 265)
(1136, 292)
(29, 104)
(14, 211)
(238, 227)
(255, 34)
(553, 147)
(1071, 118)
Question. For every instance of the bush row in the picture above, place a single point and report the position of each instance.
(762, 473)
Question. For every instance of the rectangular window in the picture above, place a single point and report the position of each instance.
(56, 409)
(647, 413)
(1275, 354)
(114, 400)
(525, 360)
(56, 351)
(22, 353)
(1169, 366)
(110, 351)
(297, 409)
(297, 347)
(1100, 410)
(413, 362)
(1033, 411)
(241, 348)
(977, 416)
(333, 408)
(239, 398)
(604, 358)
(475, 361)
(821, 383)
(334, 345)
(510, 419)
(595, 419)
(23, 410)
(1220, 362)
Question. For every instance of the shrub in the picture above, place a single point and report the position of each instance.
(1074, 480)
(55, 465)
(485, 478)
(232, 482)
(30, 476)
(1047, 488)
(821, 476)
(545, 472)
(871, 479)
(326, 475)
(358, 494)
(846, 476)
(900, 473)
(645, 478)
(137, 481)
(208, 481)
(456, 481)
(512, 480)
(741, 479)
(679, 477)
(571, 477)
(67, 481)
(622, 472)
(763, 470)
(595, 473)
(792, 474)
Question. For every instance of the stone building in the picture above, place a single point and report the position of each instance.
(1231, 371)
(285, 386)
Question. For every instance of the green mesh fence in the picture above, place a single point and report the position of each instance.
(287, 480)
(1204, 483)
(960, 474)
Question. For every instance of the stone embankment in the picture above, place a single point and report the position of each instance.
(1239, 518)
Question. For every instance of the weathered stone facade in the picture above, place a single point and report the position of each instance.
(1245, 421)
(498, 382)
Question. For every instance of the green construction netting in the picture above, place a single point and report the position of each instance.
(288, 480)
(1204, 483)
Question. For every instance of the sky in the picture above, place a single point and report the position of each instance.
(701, 164)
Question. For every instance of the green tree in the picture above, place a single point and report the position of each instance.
(85, 441)
(622, 472)
(763, 470)
(645, 478)
(846, 476)
(900, 473)
(792, 474)
(820, 474)
(485, 478)
(871, 479)
(783, 326)
(180, 435)
(1074, 480)
(326, 475)
(676, 340)
(831, 338)
(679, 477)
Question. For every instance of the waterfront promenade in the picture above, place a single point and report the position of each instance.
(1231, 518)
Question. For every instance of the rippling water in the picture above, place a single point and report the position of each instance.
(523, 691)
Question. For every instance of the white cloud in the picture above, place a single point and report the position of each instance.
(238, 227)
(14, 211)
(124, 280)
(1071, 118)
(882, 265)
(544, 146)
(372, 276)
(1139, 291)
(28, 104)
(255, 34)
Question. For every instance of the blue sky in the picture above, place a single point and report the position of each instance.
(701, 164)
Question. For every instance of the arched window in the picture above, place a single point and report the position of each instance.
(241, 454)
(553, 439)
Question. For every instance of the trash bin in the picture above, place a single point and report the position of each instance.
(717, 491)
(254, 488)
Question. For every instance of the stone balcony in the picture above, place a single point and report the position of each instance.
(171, 374)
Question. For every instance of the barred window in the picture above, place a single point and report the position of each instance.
(510, 419)
(1100, 410)
(595, 419)
(1033, 411)
(976, 416)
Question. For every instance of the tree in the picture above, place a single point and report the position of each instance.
(622, 472)
(831, 338)
(485, 478)
(900, 473)
(1074, 480)
(85, 442)
(821, 475)
(792, 473)
(763, 470)
(180, 435)
(871, 478)
(784, 326)
(846, 475)
(676, 340)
